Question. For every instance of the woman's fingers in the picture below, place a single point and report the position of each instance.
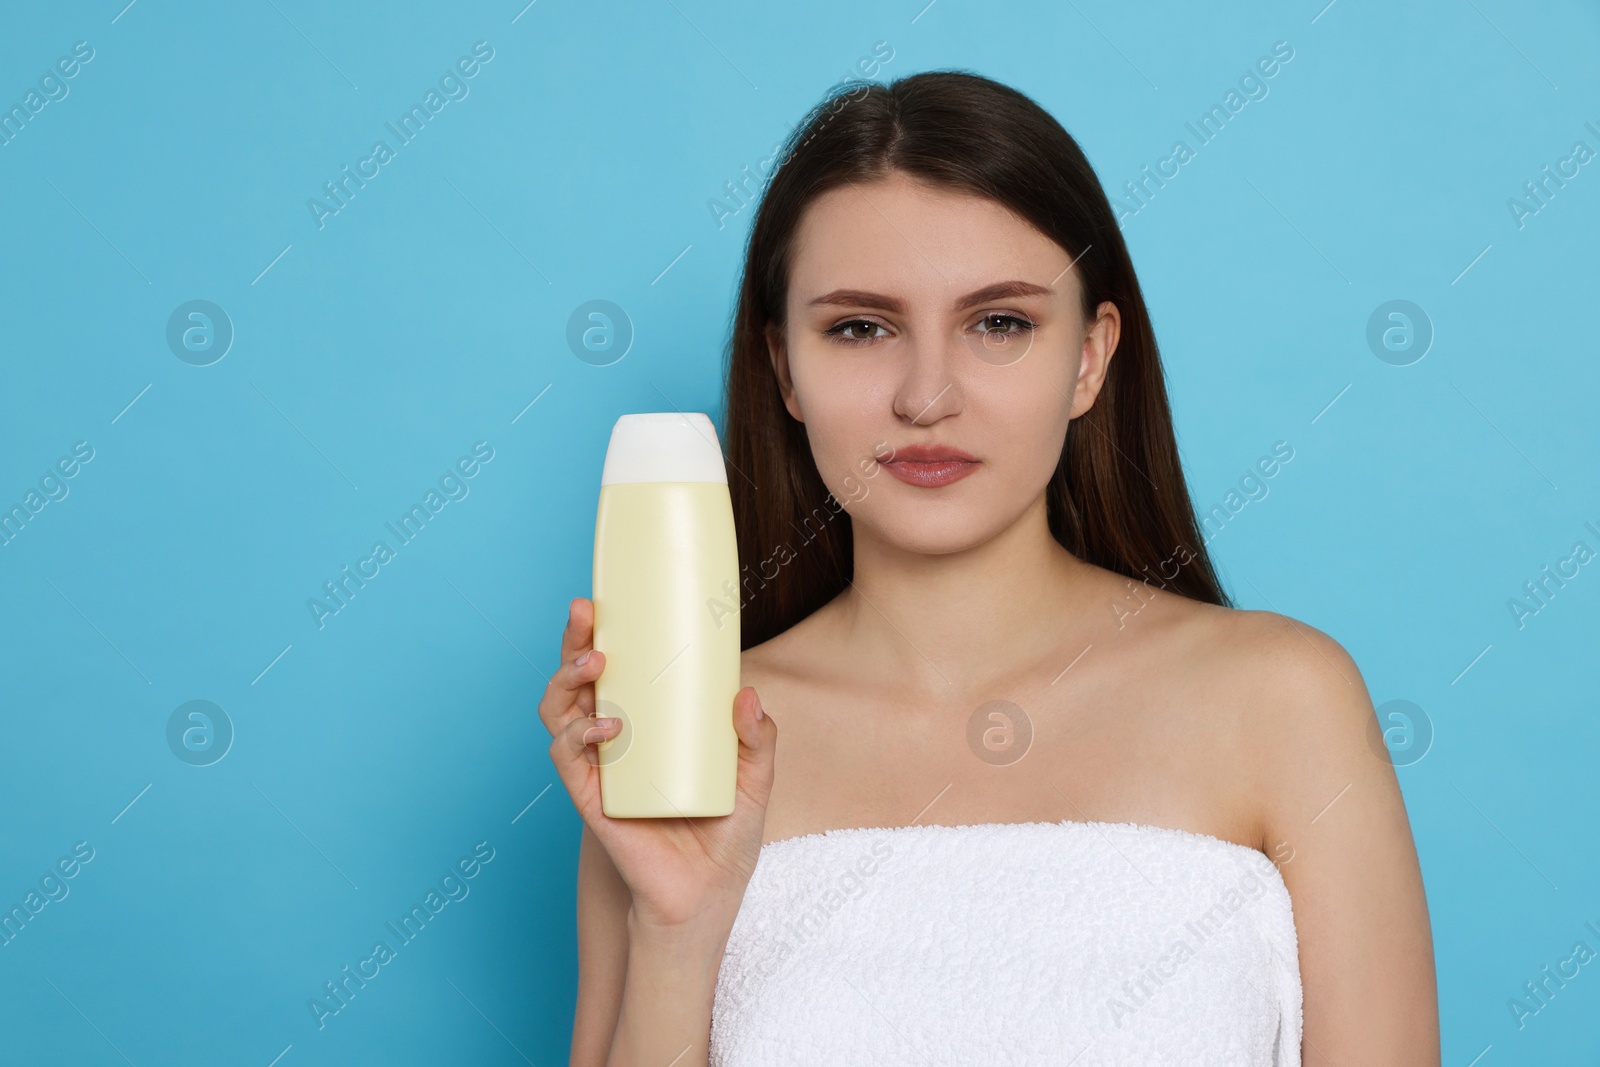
(570, 693)
(569, 690)
(573, 753)
(758, 745)
(567, 707)
(583, 734)
(579, 632)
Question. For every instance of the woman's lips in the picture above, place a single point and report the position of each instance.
(932, 473)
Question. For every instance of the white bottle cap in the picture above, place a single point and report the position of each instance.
(664, 446)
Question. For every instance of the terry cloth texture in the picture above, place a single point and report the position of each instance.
(1082, 943)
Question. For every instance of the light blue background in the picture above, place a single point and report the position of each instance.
(432, 310)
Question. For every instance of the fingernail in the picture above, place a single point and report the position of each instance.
(593, 734)
(581, 660)
(759, 713)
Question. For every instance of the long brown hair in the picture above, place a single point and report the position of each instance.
(1117, 498)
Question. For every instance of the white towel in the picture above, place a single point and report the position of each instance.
(1076, 943)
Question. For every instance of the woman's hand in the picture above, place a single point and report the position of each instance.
(685, 874)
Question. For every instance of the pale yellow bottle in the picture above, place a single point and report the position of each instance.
(666, 616)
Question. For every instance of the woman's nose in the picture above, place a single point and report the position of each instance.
(928, 390)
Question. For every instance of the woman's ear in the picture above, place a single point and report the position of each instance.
(1099, 345)
(778, 352)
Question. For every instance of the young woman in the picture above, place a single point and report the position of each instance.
(1042, 794)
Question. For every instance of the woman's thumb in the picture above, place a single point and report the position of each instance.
(758, 738)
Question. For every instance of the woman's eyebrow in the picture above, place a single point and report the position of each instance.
(862, 298)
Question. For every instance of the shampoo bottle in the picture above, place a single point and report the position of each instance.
(666, 617)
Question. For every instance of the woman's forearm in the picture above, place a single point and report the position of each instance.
(665, 1017)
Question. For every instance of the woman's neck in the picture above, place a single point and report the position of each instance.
(947, 624)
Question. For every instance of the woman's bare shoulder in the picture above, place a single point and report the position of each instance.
(786, 657)
(1300, 681)
(1334, 822)
(1283, 698)
(1270, 656)
(1304, 715)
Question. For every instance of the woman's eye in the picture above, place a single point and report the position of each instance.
(1002, 321)
(849, 332)
(859, 331)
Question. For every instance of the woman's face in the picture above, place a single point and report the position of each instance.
(908, 320)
